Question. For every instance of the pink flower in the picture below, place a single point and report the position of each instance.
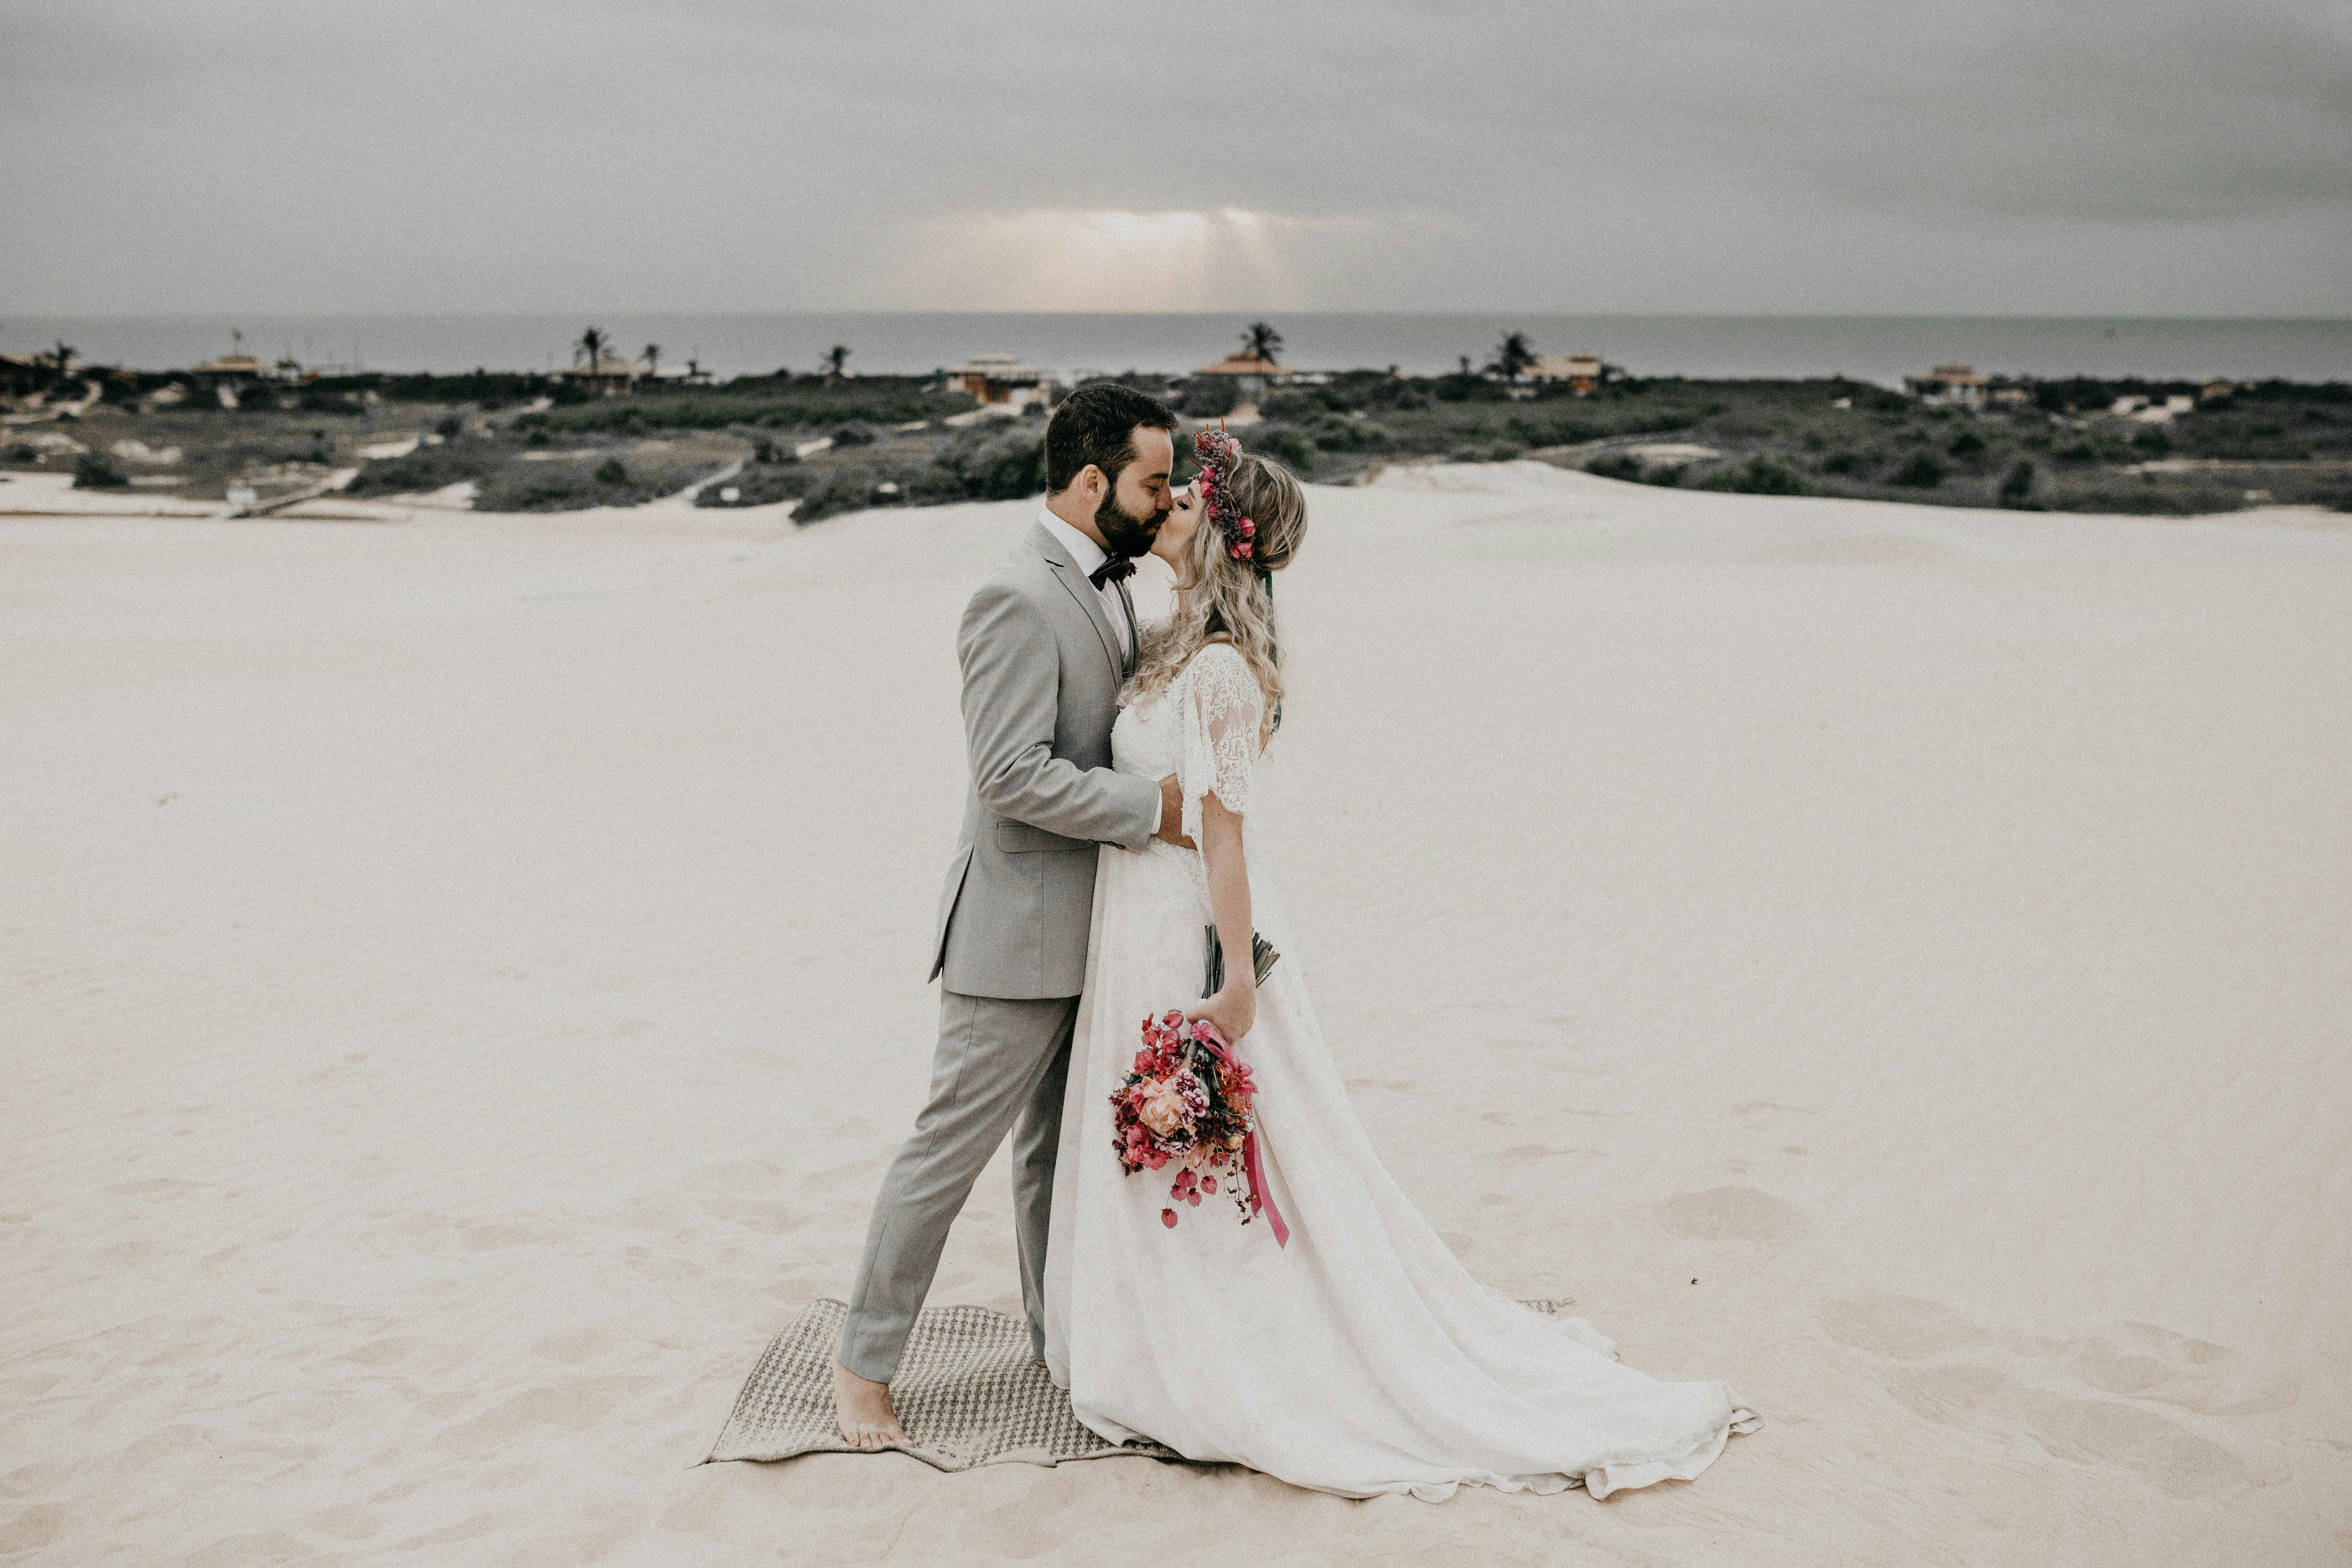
(1249, 529)
(1160, 1107)
(1168, 1218)
(1209, 1185)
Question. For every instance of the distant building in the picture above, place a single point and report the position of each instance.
(608, 374)
(235, 370)
(2214, 386)
(1000, 379)
(1582, 372)
(1955, 385)
(1251, 373)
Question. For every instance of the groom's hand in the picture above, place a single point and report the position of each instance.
(1171, 813)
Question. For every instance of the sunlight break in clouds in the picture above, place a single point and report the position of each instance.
(1056, 258)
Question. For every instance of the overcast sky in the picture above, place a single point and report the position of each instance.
(2149, 157)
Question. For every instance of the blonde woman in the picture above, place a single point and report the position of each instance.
(1351, 1353)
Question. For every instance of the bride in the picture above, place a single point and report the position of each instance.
(1356, 1357)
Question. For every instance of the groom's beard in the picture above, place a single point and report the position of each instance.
(1125, 534)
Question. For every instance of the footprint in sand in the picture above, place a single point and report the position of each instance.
(1977, 1378)
(1733, 1214)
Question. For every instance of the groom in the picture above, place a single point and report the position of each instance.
(1045, 643)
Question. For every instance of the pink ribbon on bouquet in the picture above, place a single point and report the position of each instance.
(1261, 1195)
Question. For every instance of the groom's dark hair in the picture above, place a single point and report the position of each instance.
(1096, 424)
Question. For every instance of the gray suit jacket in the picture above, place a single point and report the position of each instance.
(1041, 669)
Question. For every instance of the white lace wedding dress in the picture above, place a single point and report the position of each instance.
(1362, 1359)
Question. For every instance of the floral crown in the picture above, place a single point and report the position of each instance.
(1215, 451)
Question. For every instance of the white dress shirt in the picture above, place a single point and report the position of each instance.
(1089, 555)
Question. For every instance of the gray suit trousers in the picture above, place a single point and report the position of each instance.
(999, 1061)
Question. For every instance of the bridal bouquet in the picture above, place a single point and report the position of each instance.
(1190, 1103)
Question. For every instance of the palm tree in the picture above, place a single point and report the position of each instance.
(653, 359)
(1514, 356)
(63, 356)
(591, 347)
(1260, 341)
(836, 359)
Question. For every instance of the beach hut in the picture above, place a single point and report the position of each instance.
(1000, 380)
(608, 374)
(1582, 372)
(1252, 373)
(235, 370)
(1956, 384)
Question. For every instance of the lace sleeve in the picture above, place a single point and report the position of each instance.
(1222, 710)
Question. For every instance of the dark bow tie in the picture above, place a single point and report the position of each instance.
(1118, 568)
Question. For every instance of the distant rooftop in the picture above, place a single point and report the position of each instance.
(1242, 364)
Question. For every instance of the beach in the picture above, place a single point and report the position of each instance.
(464, 979)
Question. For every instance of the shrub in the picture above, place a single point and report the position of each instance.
(1668, 477)
(1848, 463)
(1761, 477)
(1967, 444)
(1616, 465)
(1290, 448)
(536, 439)
(572, 487)
(2017, 487)
(1292, 405)
(1919, 472)
(981, 464)
(760, 487)
(448, 426)
(845, 490)
(93, 472)
(2153, 442)
(1769, 477)
(853, 436)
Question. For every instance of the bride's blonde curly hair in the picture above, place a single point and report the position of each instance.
(1222, 599)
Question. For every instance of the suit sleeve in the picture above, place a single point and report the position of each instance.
(1012, 691)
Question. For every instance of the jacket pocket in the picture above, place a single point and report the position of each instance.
(1020, 838)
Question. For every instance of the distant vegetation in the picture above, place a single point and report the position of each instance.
(836, 442)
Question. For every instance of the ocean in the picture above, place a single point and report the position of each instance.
(1880, 349)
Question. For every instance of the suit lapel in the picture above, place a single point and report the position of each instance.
(1074, 582)
(1134, 632)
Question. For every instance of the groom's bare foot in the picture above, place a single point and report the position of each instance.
(863, 1410)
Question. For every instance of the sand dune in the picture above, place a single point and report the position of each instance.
(463, 980)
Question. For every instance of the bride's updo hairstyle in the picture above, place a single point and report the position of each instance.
(1253, 523)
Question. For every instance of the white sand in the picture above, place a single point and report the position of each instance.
(463, 980)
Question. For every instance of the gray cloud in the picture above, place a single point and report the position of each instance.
(1820, 155)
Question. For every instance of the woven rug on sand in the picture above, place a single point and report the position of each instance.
(967, 1391)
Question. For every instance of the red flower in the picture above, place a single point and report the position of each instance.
(1168, 1218)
